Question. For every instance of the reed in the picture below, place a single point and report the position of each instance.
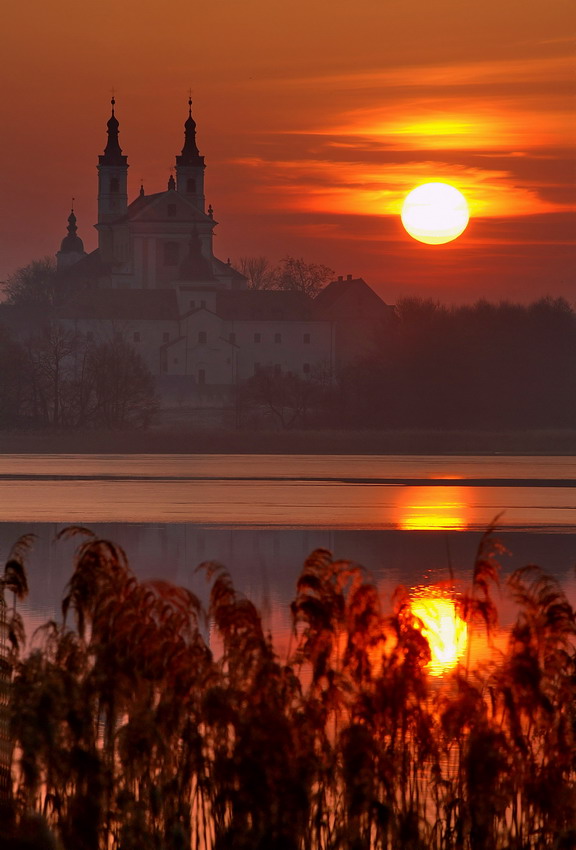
(131, 731)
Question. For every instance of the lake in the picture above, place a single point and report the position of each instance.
(407, 519)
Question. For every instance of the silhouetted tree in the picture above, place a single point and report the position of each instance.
(288, 398)
(259, 271)
(482, 366)
(121, 387)
(292, 273)
(14, 380)
(33, 285)
(51, 357)
(58, 379)
(295, 274)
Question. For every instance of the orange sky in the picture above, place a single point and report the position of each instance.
(316, 119)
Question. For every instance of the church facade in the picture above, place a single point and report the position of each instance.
(154, 280)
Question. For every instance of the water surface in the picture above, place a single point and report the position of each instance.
(406, 519)
(297, 491)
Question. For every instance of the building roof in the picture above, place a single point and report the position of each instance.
(226, 269)
(350, 299)
(140, 202)
(160, 304)
(88, 268)
(263, 305)
(142, 207)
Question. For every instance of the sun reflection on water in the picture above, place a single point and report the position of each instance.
(445, 631)
(433, 508)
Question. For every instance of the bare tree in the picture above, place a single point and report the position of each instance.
(52, 361)
(14, 379)
(122, 386)
(33, 285)
(295, 274)
(286, 396)
(259, 271)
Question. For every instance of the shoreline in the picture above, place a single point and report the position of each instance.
(220, 441)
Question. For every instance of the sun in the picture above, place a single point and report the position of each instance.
(435, 213)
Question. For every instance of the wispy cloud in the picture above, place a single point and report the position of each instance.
(352, 187)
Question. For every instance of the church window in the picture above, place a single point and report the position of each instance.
(202, 337)
(277, 369)
(171, 210)
(306, 368)
(306, 339)
(114, 185)
(232, 337)
(190, 186)
(201, 376)
(277, 337)
(136, 336)
(166, 336)
(171, 254)
(257, 337)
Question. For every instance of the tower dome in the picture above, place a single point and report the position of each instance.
(71, 247)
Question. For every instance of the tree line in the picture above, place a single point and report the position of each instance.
(291, 274)
(486, 365)
(482, 366)
(56, 378)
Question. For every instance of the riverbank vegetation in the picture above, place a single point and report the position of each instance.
(144, 720)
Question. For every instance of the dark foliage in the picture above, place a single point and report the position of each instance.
(58, 379)
(486, 366)
(132, 730)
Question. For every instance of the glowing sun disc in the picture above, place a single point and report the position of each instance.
(435, 213)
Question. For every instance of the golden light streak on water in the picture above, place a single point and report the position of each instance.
(445, 631)
(433, 508)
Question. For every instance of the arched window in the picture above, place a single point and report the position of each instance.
(114, 185)
(190, 185)
(171, 254)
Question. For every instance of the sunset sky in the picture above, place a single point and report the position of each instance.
(316, 119)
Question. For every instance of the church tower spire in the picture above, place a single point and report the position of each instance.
(72, 247)
(190, 165)
(112, 175)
